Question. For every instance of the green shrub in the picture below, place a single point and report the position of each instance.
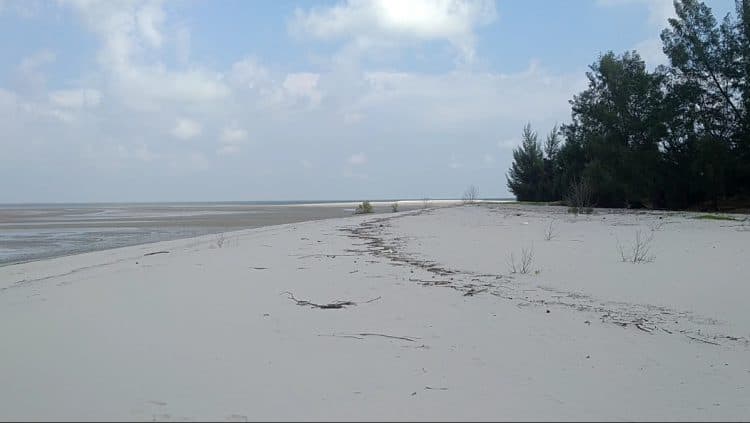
(581, 210)
(714, 217)
(363, 208)
(394, 207)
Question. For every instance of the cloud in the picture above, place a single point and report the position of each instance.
(141, 86)
(462, 99)
(149, 18)
(397, 22)
(141, 153)
(303, 86)
(249, 73)
(75, 99)
(357, 159)
(454, 164)
(186, 129)
(29, 78)
(233, 135)
(652, 52)
(228, 150)
(231, 140)
(417, 118)
(128, 32)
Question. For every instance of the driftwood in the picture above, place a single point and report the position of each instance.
(325, 255)
(156, 252)
(362, 335)
(471, 292)
(427, 282)
(403, 338)
(329, 306)
(643, 328)
(702, 340)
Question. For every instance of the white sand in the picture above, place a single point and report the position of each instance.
(204, 332)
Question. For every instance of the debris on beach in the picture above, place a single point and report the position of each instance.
(156, 252)
(328, 306)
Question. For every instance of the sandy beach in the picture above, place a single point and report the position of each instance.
(415, 315)
(30, 232)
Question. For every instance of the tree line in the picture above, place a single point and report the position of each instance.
(676, 137)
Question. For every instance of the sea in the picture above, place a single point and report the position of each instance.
(31, 232)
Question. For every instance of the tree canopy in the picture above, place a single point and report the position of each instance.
(674, 137)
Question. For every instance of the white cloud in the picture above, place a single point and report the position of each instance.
(29, 78)
(395, 22)
(150, 17)
(142, 86)
(233, 135)
(454, 164)
(337, 108)
(652, 52)
(141, 153)
(231, 140)
(488, 159)
(465, 99)
(357, 159)
(186, 129)
(228, 149)
(249, 73)
(76, 99)
(130, 30)
(303, 86)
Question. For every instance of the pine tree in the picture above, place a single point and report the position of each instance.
(527, 171)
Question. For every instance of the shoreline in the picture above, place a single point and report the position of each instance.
(36, 234)
(434, 325)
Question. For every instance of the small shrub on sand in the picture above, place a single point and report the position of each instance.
(640, 251)
(580, 197)
(550, 232)
(470, 195)
(394, 207)
(527, 259)
(363, 208)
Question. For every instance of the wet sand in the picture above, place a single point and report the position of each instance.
(36, 232)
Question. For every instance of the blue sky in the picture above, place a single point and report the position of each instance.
(246, 100)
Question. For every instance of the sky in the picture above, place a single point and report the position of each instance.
(237, 100)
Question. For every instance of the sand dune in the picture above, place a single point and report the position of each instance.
(438, 326)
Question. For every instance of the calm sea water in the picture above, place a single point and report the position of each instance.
(37, 231)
